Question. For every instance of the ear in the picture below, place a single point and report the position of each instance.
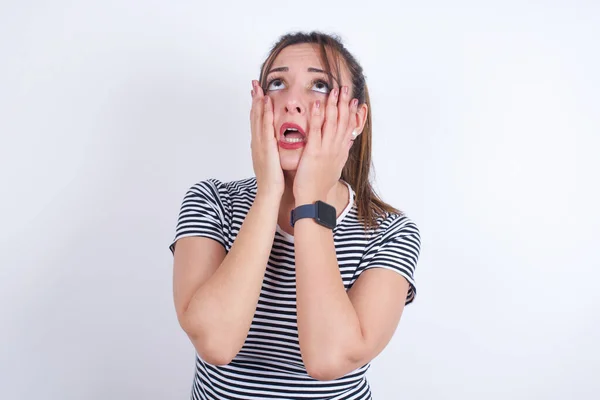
(361, 117)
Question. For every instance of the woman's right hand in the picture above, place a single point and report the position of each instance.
(265, 151)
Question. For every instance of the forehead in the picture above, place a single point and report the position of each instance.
(299, 57)
(303, 54)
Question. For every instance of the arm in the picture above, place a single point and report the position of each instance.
(341, 331)
(216, 294)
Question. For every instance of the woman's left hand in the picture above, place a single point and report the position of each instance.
(327, 148)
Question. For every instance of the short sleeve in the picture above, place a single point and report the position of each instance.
(398, 250)
(201, 214)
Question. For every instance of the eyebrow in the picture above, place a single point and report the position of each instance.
(310, 69)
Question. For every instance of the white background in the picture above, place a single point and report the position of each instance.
(486, 133)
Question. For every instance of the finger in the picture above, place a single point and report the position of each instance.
(331, 114)
(267, 120)
(315, 124)
(258, 89)
(266, 106)
(343, 113)
(257, 111)
(253, 94)
(352, 123)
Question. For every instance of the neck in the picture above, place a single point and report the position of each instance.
(287, 200)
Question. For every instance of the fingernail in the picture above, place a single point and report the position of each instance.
(318, 104)
(345, 89)
(252, 92)
(355, 103)
(266, 99)
(335, 92)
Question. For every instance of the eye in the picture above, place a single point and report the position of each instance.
(275, 84)
(321, 86)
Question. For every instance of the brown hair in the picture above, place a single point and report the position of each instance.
(358, 167)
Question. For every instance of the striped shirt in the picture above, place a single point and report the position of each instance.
(269, 365)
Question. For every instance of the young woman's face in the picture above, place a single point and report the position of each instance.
(295, 81)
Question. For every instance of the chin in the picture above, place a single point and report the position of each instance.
(289, 162)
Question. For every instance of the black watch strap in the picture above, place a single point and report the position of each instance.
(303, 211)
(324, 214)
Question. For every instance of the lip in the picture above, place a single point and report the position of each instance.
(287, 125)
(290, 146)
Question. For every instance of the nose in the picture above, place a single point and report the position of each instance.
(292, 106)
(294, 103)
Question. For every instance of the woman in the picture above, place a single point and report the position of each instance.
(286, 305)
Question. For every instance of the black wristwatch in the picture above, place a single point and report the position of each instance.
(323, 213)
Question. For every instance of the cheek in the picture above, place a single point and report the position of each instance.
(277, 105)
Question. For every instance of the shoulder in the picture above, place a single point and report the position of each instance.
(395, 225)
(219, 190)
(398, 223)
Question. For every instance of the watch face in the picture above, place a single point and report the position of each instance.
(326, 214)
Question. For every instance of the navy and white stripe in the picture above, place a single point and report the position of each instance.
(269, 365)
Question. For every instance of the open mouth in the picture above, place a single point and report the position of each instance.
(292, 133)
